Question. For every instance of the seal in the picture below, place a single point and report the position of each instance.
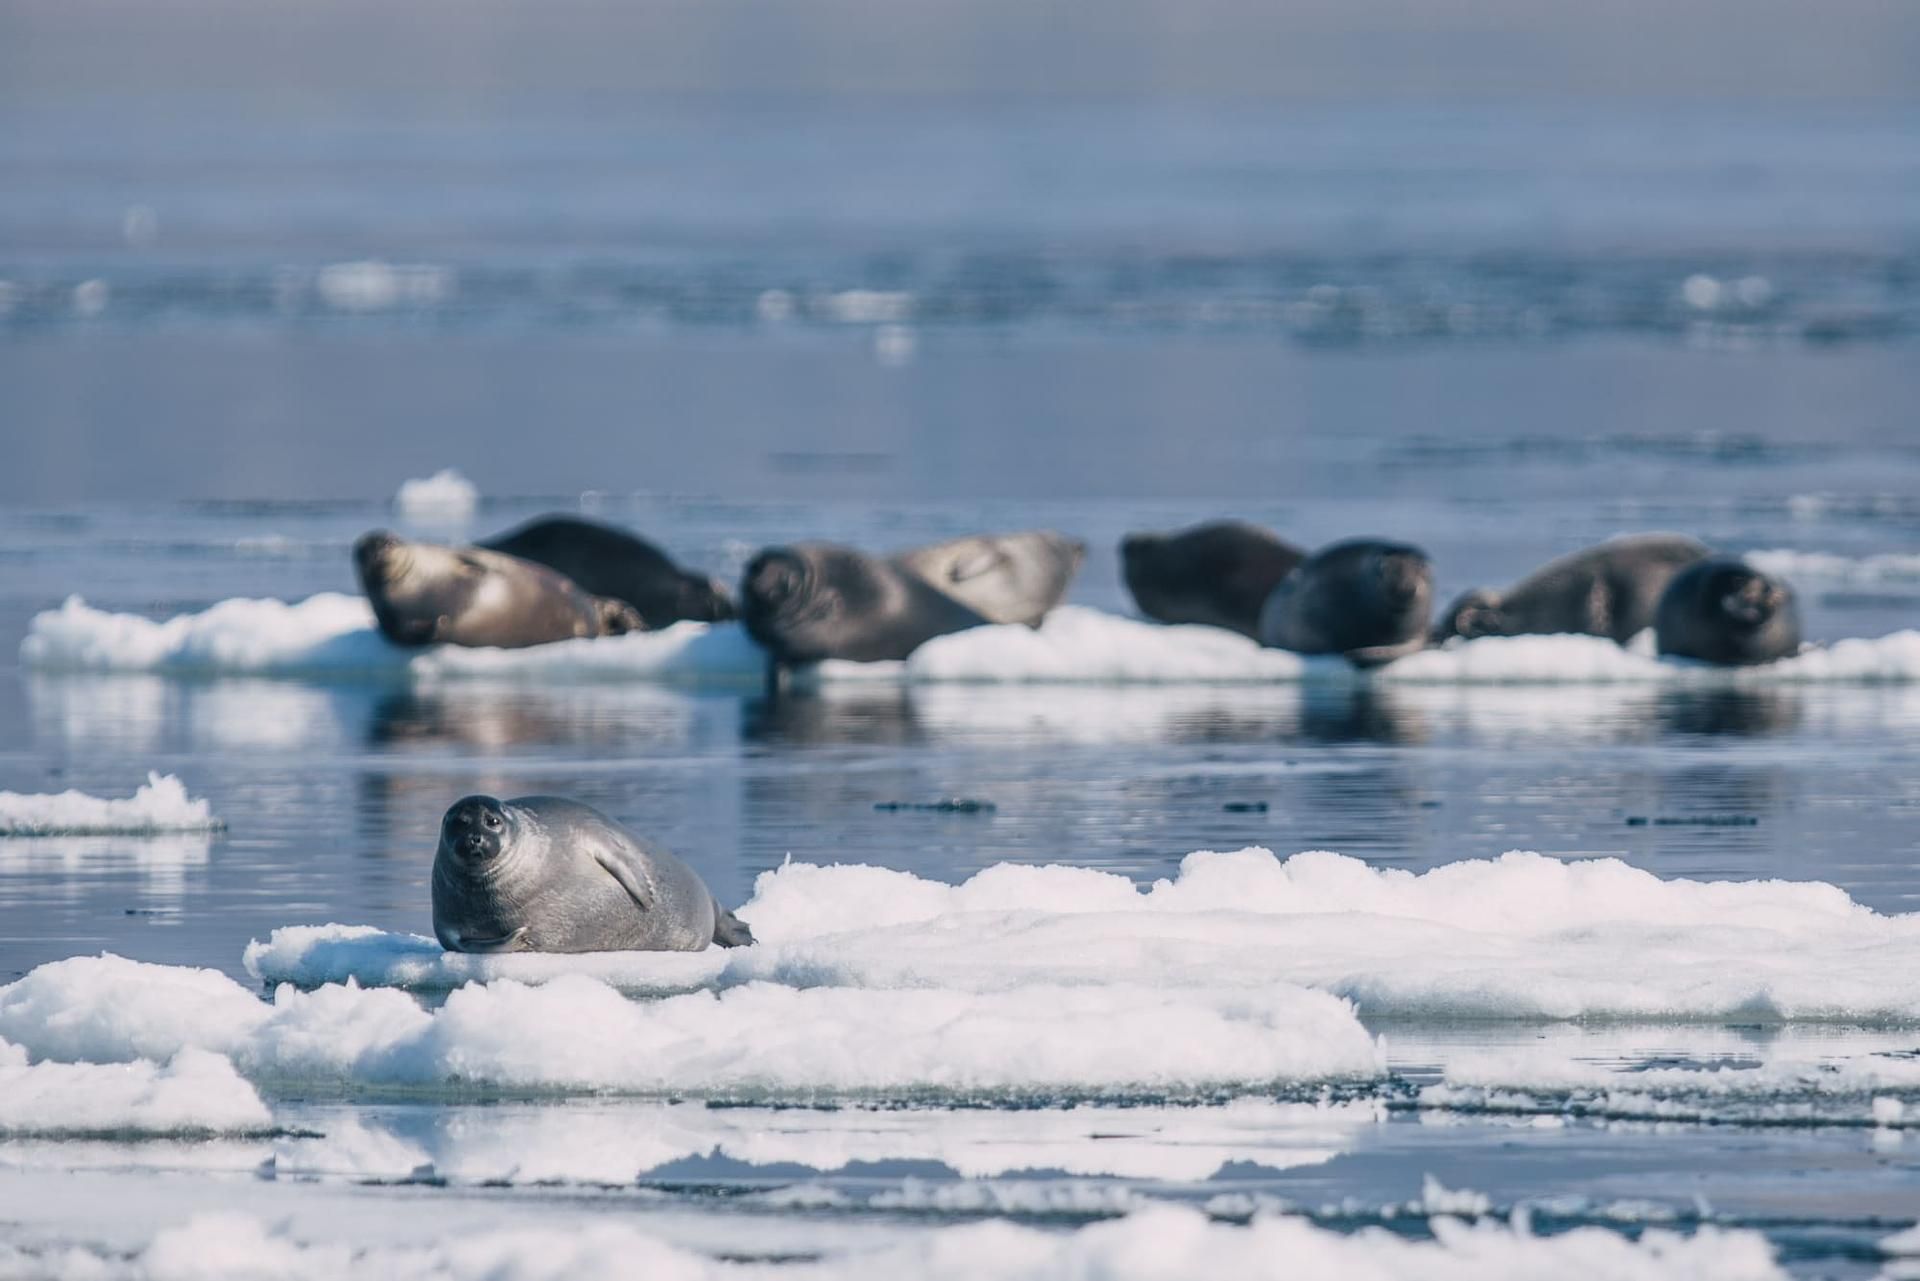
(426, 594)
(1610, 589)
(1365, 599)
(1723, 610)
(609, 561)
(1005, 578)
(1218, 573)
(805, 602)
(546, 874)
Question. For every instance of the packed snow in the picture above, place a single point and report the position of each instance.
(195, 1093)
(331, 635)
(757, 1040)
(1156, 1242)
(444, 498)
(1523, 936)
(160, 806)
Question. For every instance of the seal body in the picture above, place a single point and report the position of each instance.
(806, 602)
(611, 562)
(1723, 610)
(1005, 578)
(426, 594)
(546, 874)
(1219, 573)
(1610, 589)
(1367, 600)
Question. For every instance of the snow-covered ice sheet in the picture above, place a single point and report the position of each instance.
(1519, 937)
(758, 1040)
(1157, 1242)
(159, 806)
(331, 635)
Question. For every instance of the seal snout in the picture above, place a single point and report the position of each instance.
(1752, 599)
(475, 827)
(1404, 574)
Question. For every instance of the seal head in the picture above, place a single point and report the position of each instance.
(1723, 610)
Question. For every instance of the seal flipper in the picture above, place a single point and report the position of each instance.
(630, 880)
(728, 929)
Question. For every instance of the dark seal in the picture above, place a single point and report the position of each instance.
(546, 874)
(1367, 600)
(1610, 589)
(1723, 610)
(609, 561)
(1219, 573)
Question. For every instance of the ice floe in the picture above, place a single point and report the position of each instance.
(1827, 567)
(196, 1093)
(444, 498)
(1153, 1243)
(1523, 936)
(757, 1040)
(331, 635)
(160, 806)
(1794, 1084)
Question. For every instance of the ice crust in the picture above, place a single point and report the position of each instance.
(331, 636)
(1153, 1243)
(1519, 937)
(159, 807)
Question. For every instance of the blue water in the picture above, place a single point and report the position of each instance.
(231, 325)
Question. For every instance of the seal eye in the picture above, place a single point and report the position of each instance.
(493, 821)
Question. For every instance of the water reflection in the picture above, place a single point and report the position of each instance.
(1730, 711)
(62, 864)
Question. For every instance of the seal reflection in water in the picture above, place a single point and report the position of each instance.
(546, 874)
(608, 561)
(426, 594)
(1369, 601)
(1219, 573)
(1610, 589)
(1723, 610)
(806, 602)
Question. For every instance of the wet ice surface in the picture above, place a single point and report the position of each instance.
(1502, 1058)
